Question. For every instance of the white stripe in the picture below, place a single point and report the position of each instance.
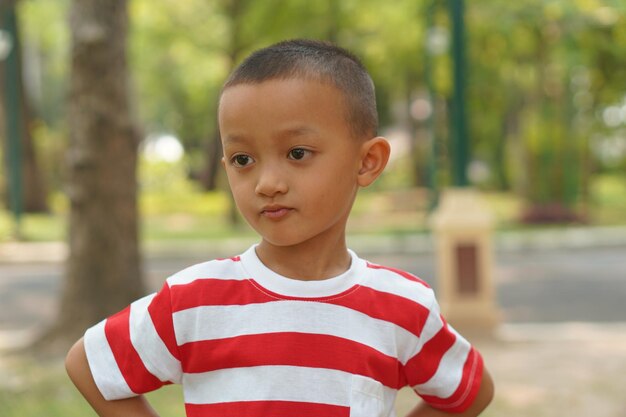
(153, 353)
(272, 383)
(219, 322)
(216, 269)
(274, 282)
(104, 369)
(450, 372)
(391, 282)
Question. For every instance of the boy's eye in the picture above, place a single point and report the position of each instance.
(241, 160)
(298, 153)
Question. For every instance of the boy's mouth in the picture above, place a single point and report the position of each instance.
(275, 212)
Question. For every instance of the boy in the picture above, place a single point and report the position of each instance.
(297, 325)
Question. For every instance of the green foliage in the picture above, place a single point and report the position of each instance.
(541, 74)
(173, 207)
(46, 41)
(540, 79)
(165, 189)
(178, 67)
(608, 199)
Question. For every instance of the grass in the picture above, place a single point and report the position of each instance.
(42, 389)
(608, 200)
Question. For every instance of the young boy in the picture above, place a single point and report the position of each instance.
(297, 325)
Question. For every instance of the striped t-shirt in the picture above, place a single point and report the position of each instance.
(244, 341)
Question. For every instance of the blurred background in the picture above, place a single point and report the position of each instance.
(111, 178)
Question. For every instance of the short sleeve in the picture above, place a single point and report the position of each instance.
(134, 351)
(446, 371)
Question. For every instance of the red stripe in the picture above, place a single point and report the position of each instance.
(117, 331)
(160, 310)
(400, 272)
(423, 366)
(234, 259)
(293, 349)
(212, 292)
(465, 394)
(266, 409)
(398, 310)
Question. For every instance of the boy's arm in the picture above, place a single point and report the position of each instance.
(80, 374)
(482, 400)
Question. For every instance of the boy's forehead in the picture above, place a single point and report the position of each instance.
(296, 82)
(288, 107)
(278, 92)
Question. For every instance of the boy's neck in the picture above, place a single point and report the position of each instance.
(306, 261)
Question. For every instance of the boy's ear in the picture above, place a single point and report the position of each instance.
(374, 157)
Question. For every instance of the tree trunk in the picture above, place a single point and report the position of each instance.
(35, 190)
(213, 155)
(103, 270)
(33, 186)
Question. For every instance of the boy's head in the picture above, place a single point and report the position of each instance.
(288, 119)
(320, 61)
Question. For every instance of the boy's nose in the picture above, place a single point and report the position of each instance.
(271, 182)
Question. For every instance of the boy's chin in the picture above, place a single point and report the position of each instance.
(283, 241)
(279, 242)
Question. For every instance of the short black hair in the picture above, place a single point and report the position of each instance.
(314, 59)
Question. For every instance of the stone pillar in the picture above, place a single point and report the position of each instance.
(463, 227)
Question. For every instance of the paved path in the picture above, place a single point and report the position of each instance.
(549, 285)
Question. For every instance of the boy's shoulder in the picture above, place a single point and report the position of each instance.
(397, 275)
(400, 283)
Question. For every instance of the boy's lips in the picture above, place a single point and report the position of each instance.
(275, 212)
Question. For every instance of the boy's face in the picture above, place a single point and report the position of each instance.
(291, 160)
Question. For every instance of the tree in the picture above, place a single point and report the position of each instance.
(205, 41)
(541, 74)
(103, 270)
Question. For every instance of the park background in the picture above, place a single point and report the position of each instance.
(545, 97)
